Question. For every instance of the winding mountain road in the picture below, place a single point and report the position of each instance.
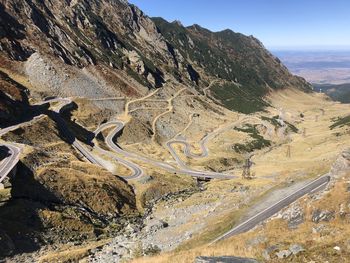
(62, 124)
(203, 142)
(187, 149)
(137, 171)
(9, 162)
(119, 125)
(14, 152)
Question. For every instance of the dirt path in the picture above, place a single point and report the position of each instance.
(126, 110)
(205, 90)
(145, 108)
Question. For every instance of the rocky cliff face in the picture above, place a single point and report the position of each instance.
(111, 42)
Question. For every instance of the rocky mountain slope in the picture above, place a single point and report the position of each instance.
(100, 40)
(313, 229)
(242, 60)
(56, 197)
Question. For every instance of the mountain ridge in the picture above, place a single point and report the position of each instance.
(87, 34)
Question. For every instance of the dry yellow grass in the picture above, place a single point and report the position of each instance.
(69, 253)
(151, 150)
(5, 194)
(162, 182)
(319, 148)
(236, 247)
(88, 115)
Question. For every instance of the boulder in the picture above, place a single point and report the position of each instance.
(145, 179)
(337, 248)
(156, 225)
(342, 163)
(268, 251)
(296, 249)
(283, 253)
(319, 215)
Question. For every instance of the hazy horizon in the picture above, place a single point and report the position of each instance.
(310, 48)
(318, 66)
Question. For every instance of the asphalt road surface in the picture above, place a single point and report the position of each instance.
(10, 161)
(203, 143)
(62, 124)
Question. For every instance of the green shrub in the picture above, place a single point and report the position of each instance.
(276, 123)
(236, 98)
(340, 122)
(258, 142)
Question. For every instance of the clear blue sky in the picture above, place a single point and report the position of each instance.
(299, 24)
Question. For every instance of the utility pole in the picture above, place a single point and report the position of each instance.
(288, 151)
(304, 132)
(246, 169)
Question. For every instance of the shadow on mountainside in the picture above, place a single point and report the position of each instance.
(14, 104)
(79, 132)
(20, 223)
(4, 152)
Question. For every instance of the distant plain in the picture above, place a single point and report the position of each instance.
(318, 67)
